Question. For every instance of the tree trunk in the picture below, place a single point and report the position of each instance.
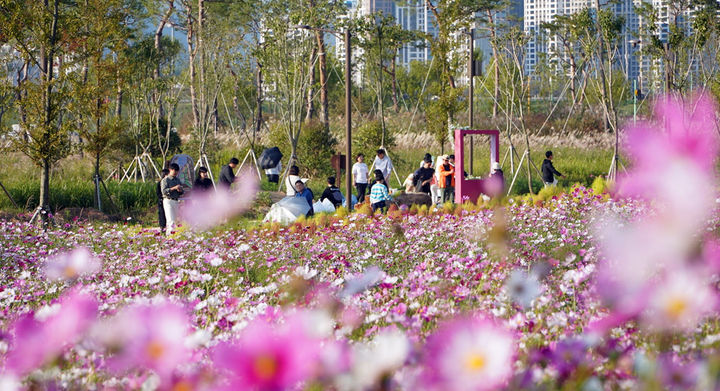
(258, 104)
(44, 201)
(322, 61)
(309, 104)
(157, 41)
(393, 74)
(496, 66)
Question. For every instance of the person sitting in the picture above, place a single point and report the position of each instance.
(307, 194)
(409, 185)
(447, 181)
(332, 193)
(379, 193)
(293, 176)
(202, 182)
(423, 177)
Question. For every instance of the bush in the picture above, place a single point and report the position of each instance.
(367, 138)
(315, 147)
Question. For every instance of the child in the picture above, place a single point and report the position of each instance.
(378, 193)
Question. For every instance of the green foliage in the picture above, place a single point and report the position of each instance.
(315, 147)
(600, 185)
(367, 138)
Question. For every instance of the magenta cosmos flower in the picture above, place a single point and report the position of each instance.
(468, 354)
(269, 357)
(147, 337)
(37, 342)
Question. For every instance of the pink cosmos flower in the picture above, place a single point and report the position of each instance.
(268, 357)
(146, 336)
(36, 342)
(673, 167)
(468, 354)
(211, 208)
(680, 301)
(673, 161)
(71, 265)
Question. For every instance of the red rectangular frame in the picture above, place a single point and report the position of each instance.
(472, 188)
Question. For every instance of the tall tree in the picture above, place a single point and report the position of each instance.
(44, 34)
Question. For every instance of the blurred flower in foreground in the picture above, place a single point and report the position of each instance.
(37, 342)
(468, 354)
(146, 336)
(269, 357)
(71, 265)
(680, 301)
(374, 361)
(368, 279)
(646, 260)
(210, 208)
(522, 288)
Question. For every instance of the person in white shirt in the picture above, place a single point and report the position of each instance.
(273, 173)
(292, 178)
(382, 162)
(360, 177)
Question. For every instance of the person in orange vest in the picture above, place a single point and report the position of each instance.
(447, 180)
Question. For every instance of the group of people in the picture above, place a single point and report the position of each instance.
(438, 183)
(170, 189)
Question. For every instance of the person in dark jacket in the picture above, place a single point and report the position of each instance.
(549, 171)
(307, 194)
(227, 176)
(202, 182)
(161, 210)
(423, 176)
(332, 193)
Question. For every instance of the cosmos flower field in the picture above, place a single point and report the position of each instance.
(583, 292)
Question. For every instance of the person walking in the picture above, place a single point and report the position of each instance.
(423, 176)
(379, 193)
(273, 173)
(447, 181)
(382, 162)
(292, 178)
(549, 171)
(307, 194)
(227, 176)
(360, 174)
(171, 189)
(202, 182)
(160, 207)
(332, 193)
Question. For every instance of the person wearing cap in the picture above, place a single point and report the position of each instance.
(427, 156)
(227, 176)
(172, 190)
(497, 173)
(447, 181)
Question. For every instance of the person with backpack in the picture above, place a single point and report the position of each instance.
(292, 178)
(332, 193)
